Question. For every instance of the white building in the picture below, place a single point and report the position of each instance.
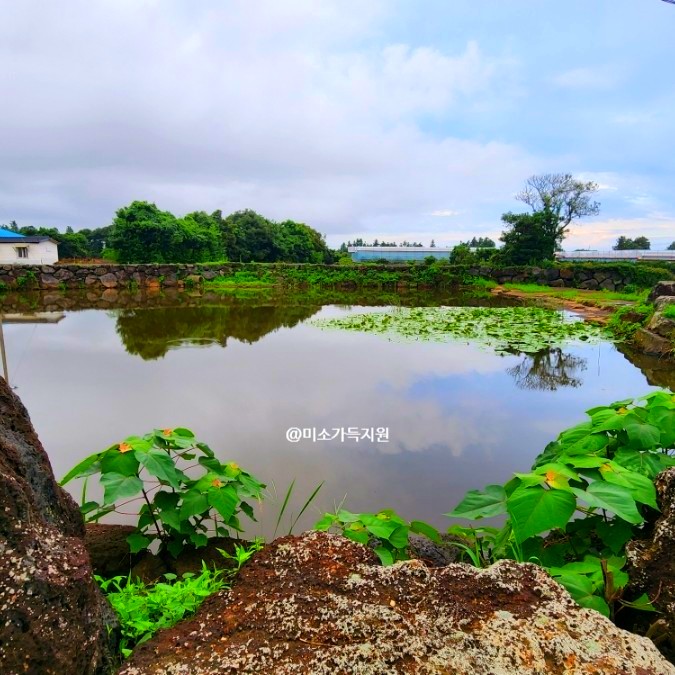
(16, 249)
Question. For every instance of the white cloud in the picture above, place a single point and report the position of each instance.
(602, 234)
(294, 109)
(444, 213)
(598, 77)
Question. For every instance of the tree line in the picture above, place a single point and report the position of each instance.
(142, 233)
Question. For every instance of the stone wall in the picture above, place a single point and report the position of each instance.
(113, 276)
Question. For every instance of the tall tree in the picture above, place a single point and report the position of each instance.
(529, 237)
(565, 197)
(626, 244)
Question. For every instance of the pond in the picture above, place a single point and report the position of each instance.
(241, 371)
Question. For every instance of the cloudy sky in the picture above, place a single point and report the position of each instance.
(377, 118)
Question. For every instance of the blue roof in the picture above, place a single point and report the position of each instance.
(8, 233)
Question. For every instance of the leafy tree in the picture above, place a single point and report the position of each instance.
(300, 243)
(249, 237)
(481, 242)
(71, 244)
(626, 244)
(562, 196)
(141, 233)
(529, 237)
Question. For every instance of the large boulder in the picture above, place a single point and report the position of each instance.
(661, 289)
(651, 565)
(321, 604)
(53, 618)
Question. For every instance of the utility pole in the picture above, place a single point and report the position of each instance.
(4, 355)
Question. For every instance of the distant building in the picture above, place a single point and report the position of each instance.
(16, 249)
(616, 256)
(397, 253)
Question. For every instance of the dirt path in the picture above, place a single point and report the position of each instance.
(588, 309)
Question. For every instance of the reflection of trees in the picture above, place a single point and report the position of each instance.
(548, 369)
(150, 333)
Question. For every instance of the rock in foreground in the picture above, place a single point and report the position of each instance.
(53, 618)
(319, 603)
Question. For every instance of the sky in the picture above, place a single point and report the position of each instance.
(388, 119)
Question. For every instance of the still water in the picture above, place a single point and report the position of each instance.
(241, 372)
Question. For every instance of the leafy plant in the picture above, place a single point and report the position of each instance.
(385, 531)
(178, 506)
(626, 321)
(525, 329)
(145, 609)
(669, 312)
(585, 497)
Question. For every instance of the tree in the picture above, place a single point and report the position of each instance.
(529, 237)
(141, 233)
(481, 242)
(671, 247)
(626, 244)
(565, 197)
(433, 244)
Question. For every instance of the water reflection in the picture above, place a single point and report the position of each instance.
(151, 333)
(459, 417)
(548, 370)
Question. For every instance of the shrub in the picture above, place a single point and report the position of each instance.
(177, 509)
(585, 497)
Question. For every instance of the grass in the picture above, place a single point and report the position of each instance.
(240, 278)
(599, 298)
(143, 609)
(669, 312)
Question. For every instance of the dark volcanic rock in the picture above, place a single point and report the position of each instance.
(320, 604)
(662, 288)
(52, 616)
(651, 563)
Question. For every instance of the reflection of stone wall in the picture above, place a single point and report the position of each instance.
(112, 276)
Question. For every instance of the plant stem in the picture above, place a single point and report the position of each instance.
(152, 515)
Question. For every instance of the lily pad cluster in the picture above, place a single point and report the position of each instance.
(504, 329)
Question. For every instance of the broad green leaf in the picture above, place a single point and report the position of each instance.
(114, 461)
(325, 522)
(88, 507)
(534, 510)
(643, 603)
(360, 536)
(194, 504)
(138, 542)
(380, 529)
(420, 527)
(171, 518)
(385, 555)
(581, 589)
(158, 463)
(399, 537)
(614, 498)
(614, 533)
(641, 488)
(116, 486)
(477, 504)
(198, 539)
(86, 467)
(643, 436)
(224, 500)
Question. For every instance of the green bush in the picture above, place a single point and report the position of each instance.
(385, 531)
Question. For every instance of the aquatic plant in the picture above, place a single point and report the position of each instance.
(507, 329)
(585, 497)
(177, 508)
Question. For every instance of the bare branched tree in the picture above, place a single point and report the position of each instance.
(561, 194)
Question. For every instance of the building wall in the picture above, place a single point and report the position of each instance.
(42, 253)
(395, 254)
